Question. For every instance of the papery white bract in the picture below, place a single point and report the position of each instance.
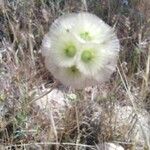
(69, 76)
(90, 60)
(64, 50)
(80, 50)
(46, 45)
(90, 28)
(59, 29)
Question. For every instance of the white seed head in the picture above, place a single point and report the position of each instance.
(80, 50)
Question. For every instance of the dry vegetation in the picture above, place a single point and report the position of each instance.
(23, 77)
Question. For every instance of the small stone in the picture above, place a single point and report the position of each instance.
(109, 146)
(56, 101)
(137, 124)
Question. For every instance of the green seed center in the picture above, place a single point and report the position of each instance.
(87, 56)
(73, 70)
(70, 50)
(86, 36)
